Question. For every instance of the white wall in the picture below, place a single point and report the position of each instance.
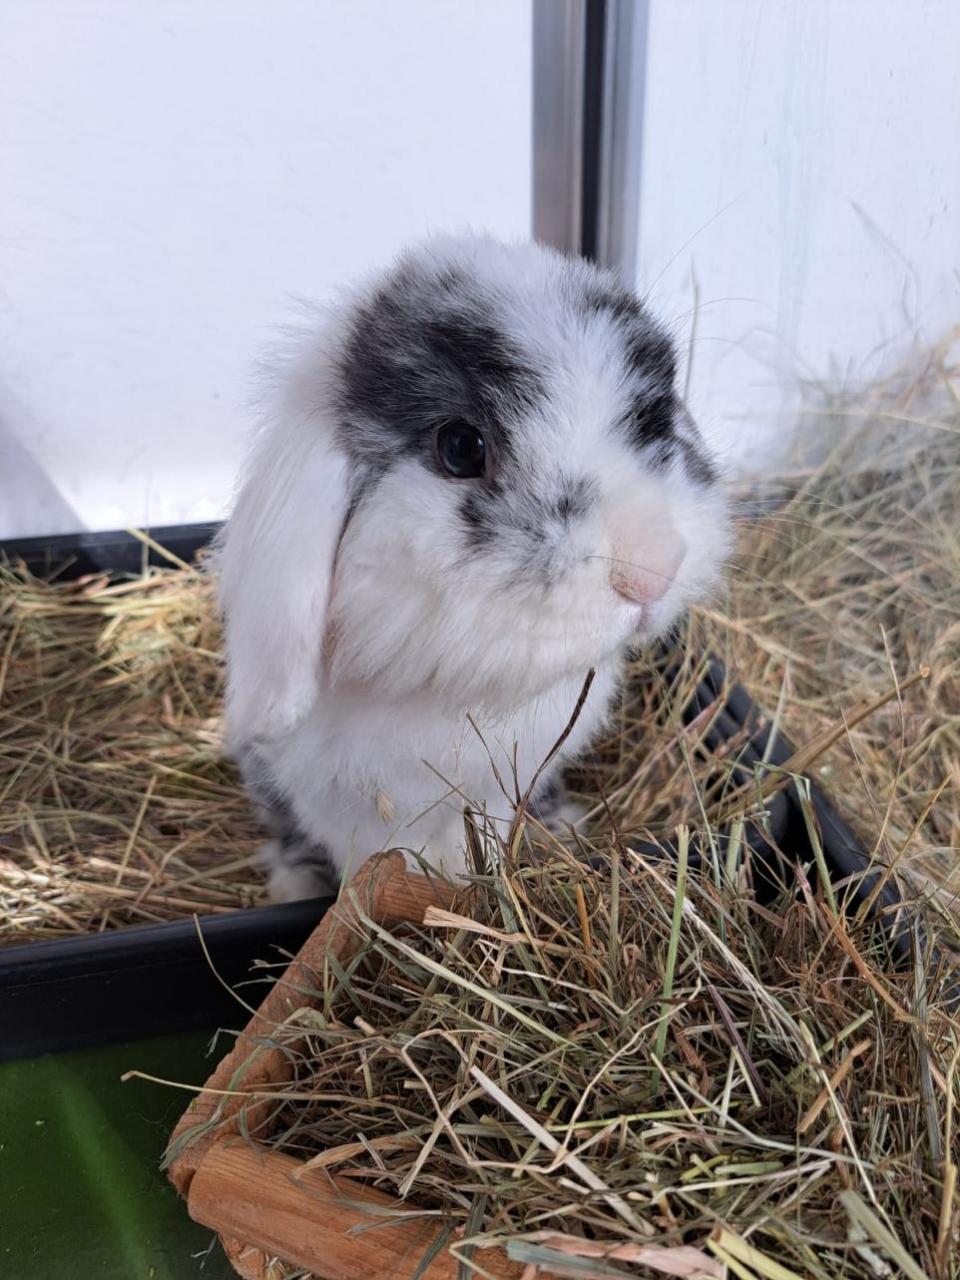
(801, 161)
(173, 170)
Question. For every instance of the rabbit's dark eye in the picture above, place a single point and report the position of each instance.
(461, 450)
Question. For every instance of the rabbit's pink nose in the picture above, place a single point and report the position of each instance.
(646, 575)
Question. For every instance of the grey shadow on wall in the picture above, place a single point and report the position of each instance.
(31, 502)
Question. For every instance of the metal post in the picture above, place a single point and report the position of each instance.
(621, 145)
(588, 88)
(559, 39)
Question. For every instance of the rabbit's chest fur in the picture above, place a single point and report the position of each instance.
(362, 775)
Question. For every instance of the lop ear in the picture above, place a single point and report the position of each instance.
(276, 560)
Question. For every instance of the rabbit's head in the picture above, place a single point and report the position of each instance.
(480, 482)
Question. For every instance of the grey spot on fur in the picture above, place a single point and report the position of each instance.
(696, 463)
(293, 847)
(500, 512)
(547, 800)
(574, 500)
(430, 347)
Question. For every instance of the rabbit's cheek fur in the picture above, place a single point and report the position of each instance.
(420, 604)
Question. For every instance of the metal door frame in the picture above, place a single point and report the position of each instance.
(589, 62)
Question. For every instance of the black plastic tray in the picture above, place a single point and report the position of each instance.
(73, 555)
(155, 979)
(146, 980)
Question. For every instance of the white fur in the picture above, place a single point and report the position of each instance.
(354, 666)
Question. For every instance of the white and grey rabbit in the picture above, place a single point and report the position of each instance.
(476, 482)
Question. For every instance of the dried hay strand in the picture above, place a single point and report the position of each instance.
(115, 804)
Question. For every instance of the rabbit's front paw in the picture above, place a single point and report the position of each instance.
(305, 871)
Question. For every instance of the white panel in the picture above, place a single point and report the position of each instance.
(174, 170)
(800, 162)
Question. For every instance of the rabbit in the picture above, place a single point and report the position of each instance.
(475, 483)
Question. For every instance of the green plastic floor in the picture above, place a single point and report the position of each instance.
(81, 1194)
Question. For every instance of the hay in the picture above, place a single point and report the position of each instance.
(848, 583)
(115, 804)
(599, 1066)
